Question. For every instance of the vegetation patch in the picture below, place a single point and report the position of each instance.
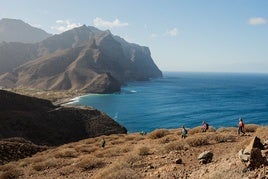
(251, 127)
(66, 153)
(11, 174)
(159, 133)
(49, 163)
(89, 163)
(197, 140)
(173, 146)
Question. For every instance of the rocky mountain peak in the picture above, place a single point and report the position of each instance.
(15, 30)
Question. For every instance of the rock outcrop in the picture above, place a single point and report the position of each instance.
(252, 155)
(41, 122)
(205, 157)
(12, 149)
(83, 58)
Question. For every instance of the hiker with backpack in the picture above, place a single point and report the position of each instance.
(205, 126)
(241, 126)
(184, 132)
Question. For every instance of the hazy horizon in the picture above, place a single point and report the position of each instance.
(190, 36)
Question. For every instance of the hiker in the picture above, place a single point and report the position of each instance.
(241, 126)
(103, 143)
(205, 126)
(184, 132)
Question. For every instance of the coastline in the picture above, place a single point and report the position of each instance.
(56, 97)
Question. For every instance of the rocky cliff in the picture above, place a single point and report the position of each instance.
(41, 122)
(83, 58)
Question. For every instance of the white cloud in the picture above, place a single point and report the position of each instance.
(172, 32)
(98, 22)
(64, 25)
(257, 21)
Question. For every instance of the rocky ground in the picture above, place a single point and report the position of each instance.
(159, 154)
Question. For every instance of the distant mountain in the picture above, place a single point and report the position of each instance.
(14, 30)
(43, 123)
(83, 58)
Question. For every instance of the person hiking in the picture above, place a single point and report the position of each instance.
(184, 132)
(103, 142)
(241, 126)
(205, 126)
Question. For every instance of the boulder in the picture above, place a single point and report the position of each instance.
(256, 159)
(255, 143)
(243, 157)
(205, 157)
(252, 155)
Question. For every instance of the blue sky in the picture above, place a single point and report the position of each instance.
(183, 35)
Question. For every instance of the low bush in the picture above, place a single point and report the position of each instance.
(175, 146)
(223, 137)
(168, 139)
(197, 140)
(45, 164)
(89, 163)
(143, 151)
(251, 127)
(12, 173)
(158, 133)
(195, 130)
(227, 129)
(66, 153)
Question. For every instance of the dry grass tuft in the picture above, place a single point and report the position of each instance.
(168, 139)
(223, 137)
(49, 163)
(7, 167)
(66, 153)
(173, 146)
(11, 174)
(227, 129)
(211, 129)
(197, 140)
(195, 130)
(112, 171)
(86, 149)
(262, 132)
(89, 163)
(143, 151)
(251, 127)
(108, 152)
(158, 133)
(123, 173)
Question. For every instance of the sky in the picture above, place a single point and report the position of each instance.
(183, 35)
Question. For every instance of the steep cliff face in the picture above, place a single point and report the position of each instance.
(41, 122)
(80, 59)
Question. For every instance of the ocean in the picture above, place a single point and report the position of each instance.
(187, 99)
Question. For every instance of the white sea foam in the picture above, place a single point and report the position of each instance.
(74, 100)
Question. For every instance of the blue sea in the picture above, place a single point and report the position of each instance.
(186, 99)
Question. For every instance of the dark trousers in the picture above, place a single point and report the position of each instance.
(240, 129)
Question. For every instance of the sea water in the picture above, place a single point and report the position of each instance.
(186, 99)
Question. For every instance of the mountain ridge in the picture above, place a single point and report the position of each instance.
(27, 34)
(74, 59)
